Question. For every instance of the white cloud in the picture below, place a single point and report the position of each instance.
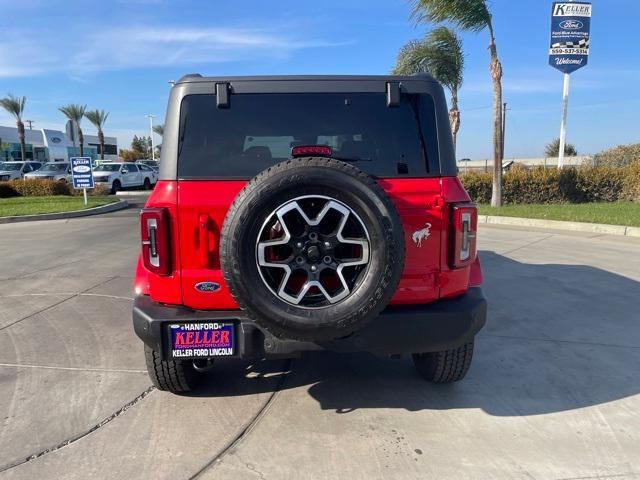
(116, 48)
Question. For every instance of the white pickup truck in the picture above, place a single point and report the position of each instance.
(117, 176)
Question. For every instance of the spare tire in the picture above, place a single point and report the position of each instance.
(312, 249)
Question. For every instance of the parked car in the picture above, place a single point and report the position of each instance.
(150, 163)
(150, 170)
(15, 170)
(119, 175)
(52, 171)
(307, 213)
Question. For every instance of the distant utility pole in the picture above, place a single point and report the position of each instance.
(30, 122)
(151, 117)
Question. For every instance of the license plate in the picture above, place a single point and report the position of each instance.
(202, 339)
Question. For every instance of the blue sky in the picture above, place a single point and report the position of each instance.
(119, 55)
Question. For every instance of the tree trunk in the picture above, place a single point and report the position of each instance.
(101, 140)
(81, 141)
(495, 69)
(454, 118)
(21, 140)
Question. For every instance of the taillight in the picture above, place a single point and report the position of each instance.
(156, 252)
(464, 226)
(304, 150)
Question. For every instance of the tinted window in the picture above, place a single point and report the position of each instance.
(107, 167)
(258, 130)
(54, 167)
(12, 166)
(132, 168)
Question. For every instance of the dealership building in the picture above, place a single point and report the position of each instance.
(47, 145)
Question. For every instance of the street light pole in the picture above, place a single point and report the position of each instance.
(151, 117)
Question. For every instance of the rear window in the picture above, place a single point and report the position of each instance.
(258, 130)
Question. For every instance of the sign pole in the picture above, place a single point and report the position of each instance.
(563, 124)
(84, 192)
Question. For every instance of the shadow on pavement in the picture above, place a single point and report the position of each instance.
(558, 337)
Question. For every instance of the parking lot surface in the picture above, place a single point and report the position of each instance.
(553, 393)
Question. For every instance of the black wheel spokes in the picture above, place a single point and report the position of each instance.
(316, 260)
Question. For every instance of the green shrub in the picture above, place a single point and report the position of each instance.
(570, 185)
(98, 191)
(599, 184)
(478, 185)
(631, 183)
(7, 190)
(39, 188)
(537, 185)
(619, 156)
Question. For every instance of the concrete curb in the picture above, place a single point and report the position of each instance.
(111, 207)
(134, 193)
(560, 225)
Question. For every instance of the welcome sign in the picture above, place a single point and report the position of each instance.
(570, 29)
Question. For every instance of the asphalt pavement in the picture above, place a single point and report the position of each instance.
(553, 391)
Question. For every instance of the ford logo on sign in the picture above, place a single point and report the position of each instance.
(81, 169)
(571, 25)
(55, 139)
(207, 287)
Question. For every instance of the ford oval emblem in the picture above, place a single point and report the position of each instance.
(82, 169)
(208, 287)
(571, 25)
(55, 139)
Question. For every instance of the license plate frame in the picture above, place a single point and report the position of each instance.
(193, 340)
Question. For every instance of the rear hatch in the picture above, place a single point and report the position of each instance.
(220, 149)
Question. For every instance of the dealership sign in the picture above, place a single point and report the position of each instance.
(81, 172)
(570, 25)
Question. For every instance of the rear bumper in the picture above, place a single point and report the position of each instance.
(433, 327)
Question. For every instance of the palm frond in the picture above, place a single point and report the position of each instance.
(471, 15)
(440, 54)
(14, 105)
(411, 58)
(73, 112)
(159, 129)
(97, 117)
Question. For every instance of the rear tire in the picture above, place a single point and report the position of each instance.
(115, 187)
(176, 376)
(446, 366)
(146, 184)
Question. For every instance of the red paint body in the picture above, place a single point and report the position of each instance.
(197, 210)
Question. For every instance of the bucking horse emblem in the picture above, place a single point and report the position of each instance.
(420, 235)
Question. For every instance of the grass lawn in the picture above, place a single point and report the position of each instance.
(614, 213)
(31, 205)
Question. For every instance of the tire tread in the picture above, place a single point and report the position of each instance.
(445, 366)
(175, 376)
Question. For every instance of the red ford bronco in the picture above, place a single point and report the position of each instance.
(307, 213)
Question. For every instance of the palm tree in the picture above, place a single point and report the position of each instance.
(159, 129)
(75, 112)
(473, 15)
(98, 118)
(440, 54)
(15, 107)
